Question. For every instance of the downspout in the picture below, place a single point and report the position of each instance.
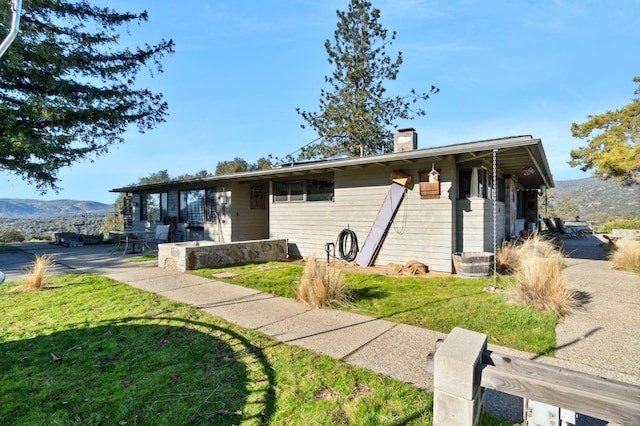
(16, 6)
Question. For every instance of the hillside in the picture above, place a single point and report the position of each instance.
(12, 208)
(594, 199)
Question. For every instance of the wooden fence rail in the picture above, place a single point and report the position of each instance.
(463, 367)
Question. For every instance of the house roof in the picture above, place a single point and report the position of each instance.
(515, 154)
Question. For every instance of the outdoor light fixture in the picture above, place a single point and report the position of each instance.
(529, 170)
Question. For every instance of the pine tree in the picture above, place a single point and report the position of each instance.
(67, 87)
(356, 114)
(613, 149)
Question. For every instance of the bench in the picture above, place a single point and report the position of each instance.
(618, 234)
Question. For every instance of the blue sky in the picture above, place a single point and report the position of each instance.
(241, 69)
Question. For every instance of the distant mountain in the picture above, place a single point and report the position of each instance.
(597, 199)
(14, 208)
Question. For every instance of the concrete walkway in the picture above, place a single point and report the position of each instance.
(603, 338)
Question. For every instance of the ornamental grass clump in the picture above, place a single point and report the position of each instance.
(626, 256)
(508, 258)
(37, 274)
(539, 279)
(321, 286)
(510, 254)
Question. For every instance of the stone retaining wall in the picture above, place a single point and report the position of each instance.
(187, 256)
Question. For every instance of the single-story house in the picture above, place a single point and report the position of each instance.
(445, 204)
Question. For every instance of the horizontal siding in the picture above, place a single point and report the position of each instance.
(307, 226)
(475, 224)
(422, 229)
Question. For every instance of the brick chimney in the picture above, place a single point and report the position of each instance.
(405, 140)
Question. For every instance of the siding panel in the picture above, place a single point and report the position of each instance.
(422, 229)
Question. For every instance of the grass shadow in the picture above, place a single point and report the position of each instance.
(582, 298)
(132, 370)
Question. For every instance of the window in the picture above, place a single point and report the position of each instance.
(164, 209)
(296, 190)
(153, 207)
(210, 205)
(474, 183)
(192, 206)
(197, 206)
(317, 189)
(281, 191)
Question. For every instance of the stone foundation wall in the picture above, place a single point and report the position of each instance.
(193, 255)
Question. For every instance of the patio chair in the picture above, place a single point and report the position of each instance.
(551, 227)
(161, 235)
(566, 230)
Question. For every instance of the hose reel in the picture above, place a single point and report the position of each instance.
(347, 244)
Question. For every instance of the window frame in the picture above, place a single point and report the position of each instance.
(205, 212)
(298, 190)
(478, 186)
(160, 206)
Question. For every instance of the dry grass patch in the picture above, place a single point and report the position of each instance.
(321, 286)
(626, 256)
(38, 272)
(508, 258)
(537, 267)
(511, 253)
(542, 286)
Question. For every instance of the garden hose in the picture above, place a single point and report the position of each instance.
(347, 236)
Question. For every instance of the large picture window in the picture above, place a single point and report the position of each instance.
(316, 189)
(192, 206)
(197, 206)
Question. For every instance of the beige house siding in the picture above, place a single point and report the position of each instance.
(421, 230)
(475, 224)
(307, 226)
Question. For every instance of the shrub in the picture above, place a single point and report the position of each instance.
(626, 255)
(321, 286)
(8, 235)
(539, 279)
(38, 272)
(620, 224)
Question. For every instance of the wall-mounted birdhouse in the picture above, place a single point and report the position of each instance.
(430, 184)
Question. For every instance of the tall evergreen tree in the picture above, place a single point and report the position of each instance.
(356, 113)
(613, 150)
(68, 87)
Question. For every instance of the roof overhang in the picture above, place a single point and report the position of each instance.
(513, 154)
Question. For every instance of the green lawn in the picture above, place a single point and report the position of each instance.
(92, 351)
(438, 303)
